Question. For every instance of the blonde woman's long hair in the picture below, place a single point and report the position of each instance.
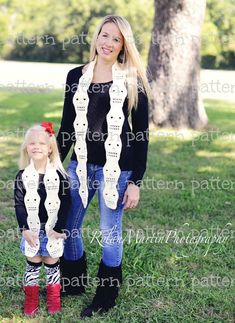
(54, 156)
(129, 59)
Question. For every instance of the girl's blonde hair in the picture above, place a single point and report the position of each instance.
(128, 59)
(54, 156)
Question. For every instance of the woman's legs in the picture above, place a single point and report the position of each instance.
(73, 263)
(110, 268)
(111, 221)
(74, 244)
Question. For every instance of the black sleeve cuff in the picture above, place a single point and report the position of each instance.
(58, 230)
(137, 182)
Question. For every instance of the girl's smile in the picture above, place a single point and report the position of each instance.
(37, 147)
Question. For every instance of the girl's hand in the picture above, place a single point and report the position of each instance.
(30, 237)
(56, 235)
(131, 196)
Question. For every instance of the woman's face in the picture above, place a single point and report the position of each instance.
(109, 42)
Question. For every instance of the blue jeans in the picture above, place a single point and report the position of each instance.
(110, 220)
(42, 251)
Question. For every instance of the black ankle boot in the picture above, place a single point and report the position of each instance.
(73, 276)
(110, 279)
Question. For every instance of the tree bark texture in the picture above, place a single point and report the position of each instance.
(174, 64)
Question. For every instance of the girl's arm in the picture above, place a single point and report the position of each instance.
(20, 210)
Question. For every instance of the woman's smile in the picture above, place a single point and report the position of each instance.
(106, 51)
(109, 42)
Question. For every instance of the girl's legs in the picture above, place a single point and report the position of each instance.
(33, 266)
(31, 285)
(52, 267)
(31, 280)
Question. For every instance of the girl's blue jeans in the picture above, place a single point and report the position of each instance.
(110, 220)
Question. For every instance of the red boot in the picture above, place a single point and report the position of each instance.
(31, 303)
(53, 298)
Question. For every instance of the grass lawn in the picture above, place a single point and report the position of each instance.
(178, 244)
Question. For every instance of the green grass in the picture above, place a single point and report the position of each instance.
(184, 194)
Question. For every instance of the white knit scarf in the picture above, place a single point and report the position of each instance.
(113, 144)
(30, 178)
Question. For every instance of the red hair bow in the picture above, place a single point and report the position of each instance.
(48, 127)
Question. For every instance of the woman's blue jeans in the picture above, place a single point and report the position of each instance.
(110, 220)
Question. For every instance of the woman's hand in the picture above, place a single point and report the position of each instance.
(131, 196)
(56, 235)
(30, 237)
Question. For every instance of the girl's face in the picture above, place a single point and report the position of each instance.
(38, 147)
(109, 42)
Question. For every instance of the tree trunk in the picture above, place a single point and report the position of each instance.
(174, 64)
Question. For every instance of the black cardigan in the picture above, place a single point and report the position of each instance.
(134, 141)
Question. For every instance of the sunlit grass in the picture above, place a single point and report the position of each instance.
(188, 189)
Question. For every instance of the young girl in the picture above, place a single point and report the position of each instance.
(41, 202)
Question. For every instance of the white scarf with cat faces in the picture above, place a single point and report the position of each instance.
(113, 144)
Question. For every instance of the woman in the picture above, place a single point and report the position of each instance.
(108, 157)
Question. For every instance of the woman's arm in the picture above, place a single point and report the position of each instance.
(66, 131)
(140, 129)
(140, 146)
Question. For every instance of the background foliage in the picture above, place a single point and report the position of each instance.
(70, 24)
(218, 35)
(60, 31)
